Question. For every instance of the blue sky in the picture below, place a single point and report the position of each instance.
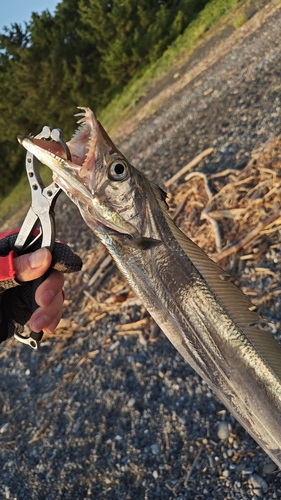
(18, 11)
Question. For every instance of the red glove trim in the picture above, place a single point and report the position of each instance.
(8, 233)
(7, 270)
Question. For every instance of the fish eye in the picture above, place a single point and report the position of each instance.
(118, 171)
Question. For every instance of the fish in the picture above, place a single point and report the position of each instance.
(210, 322)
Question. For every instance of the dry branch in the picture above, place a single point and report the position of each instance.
(189, 166)
(132, 326)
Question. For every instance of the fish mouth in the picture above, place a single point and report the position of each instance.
(90, 148)
(92, 152)
(79, 172)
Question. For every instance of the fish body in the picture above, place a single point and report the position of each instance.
(208, 320)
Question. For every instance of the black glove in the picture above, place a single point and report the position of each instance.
(16, 298)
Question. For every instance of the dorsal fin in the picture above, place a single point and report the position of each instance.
(230, 297)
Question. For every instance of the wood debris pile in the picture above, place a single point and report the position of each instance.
(102, 292)
(233, 210)
(235, 216)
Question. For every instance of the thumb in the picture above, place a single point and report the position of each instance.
(32, 265)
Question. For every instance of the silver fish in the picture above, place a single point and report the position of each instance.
(208, 320)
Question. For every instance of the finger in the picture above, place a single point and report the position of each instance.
(46, 292)
(43, 316)
(32, 265)
(53, 325)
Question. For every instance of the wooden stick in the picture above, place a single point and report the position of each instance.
(192, 466)
(189, 166)
(103, 264)
(215, 226)
(224, 173)
(132, 326)
(205, 179)
(122, 333)
(95, 271)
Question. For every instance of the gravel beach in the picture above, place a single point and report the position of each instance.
(96, 415)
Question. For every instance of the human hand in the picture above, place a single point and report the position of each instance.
(49, 295)
(16, 285)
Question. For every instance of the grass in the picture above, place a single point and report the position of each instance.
(17, 197)
(239, 20)
(125, 105)
(20, 197)
(216, 15)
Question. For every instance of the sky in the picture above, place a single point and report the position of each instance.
(18, 11)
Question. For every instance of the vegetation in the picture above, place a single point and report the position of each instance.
(124, 103)
(86, 54)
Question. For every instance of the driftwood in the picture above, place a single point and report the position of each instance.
(188, 167)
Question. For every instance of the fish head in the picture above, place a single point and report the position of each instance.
(110, 193)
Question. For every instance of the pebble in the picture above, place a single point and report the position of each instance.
(7, 493)
(4, 427)
(155, 449)
(223, 430)
(247, 470)
(269, 468)
(258, 493)
(235, 445)
(258, 482)
(59, 368)
(131, 402)
(114, 346)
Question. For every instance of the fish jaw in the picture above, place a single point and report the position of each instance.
(84, 147)
(87, 177)
(90, 150)
(64, 171)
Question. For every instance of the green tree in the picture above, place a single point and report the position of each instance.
(82, 55)
(130, 33)
(13, 43)
(44, 75)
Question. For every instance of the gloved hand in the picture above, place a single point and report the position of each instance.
(16, 291)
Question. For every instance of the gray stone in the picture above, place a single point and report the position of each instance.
(155, 449)
(258, 482)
